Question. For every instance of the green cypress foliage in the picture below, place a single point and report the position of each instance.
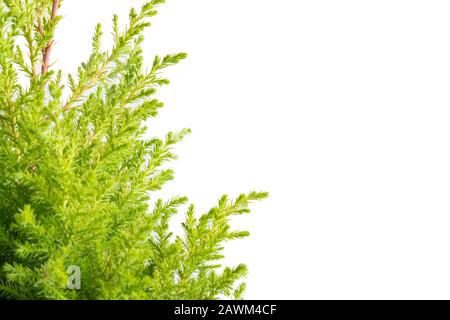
(77, 174)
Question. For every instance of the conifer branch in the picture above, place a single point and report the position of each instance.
(75, 191)
(122, 43)
(48, 49)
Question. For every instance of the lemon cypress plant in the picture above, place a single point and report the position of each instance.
(77, 174)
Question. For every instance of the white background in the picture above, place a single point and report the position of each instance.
(340, 109)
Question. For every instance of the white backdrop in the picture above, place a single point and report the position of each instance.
(340, 109)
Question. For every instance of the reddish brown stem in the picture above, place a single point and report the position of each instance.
(48, 48)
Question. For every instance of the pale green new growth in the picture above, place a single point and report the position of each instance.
(76, 174)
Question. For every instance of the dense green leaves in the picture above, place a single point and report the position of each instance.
(77, 175)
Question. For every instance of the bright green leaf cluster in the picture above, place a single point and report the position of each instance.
(77, 174)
